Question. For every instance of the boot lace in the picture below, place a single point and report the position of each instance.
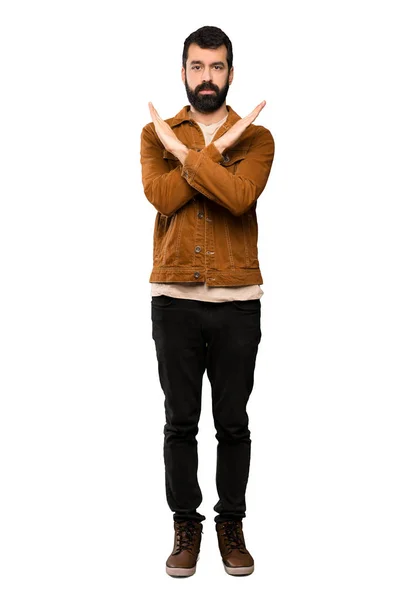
(185, 536)
(233, 536)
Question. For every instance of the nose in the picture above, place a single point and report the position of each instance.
(207, 74)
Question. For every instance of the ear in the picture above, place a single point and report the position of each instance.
(231, 73)
(183, 74)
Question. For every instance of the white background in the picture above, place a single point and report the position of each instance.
(83, 508)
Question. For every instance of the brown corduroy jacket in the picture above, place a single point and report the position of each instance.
(206, 225)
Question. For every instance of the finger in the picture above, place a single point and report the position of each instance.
(259, 108)
(153, 112)
(254, 113)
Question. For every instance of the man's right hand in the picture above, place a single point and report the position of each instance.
(234, 133)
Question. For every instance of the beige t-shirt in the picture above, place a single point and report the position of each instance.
(201, 291)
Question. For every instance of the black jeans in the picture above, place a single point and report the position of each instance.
(223, 337)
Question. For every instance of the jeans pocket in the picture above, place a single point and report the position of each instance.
(161, 301)
(247, 305)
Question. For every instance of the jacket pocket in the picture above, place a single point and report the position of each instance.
(169, 240)
(252, 230)
(162, 234)
(157, 236)
(233, 157)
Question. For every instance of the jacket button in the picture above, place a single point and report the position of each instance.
(200, 215)
(196, 274)
(197, 249)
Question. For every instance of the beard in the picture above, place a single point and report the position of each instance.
(207, 103)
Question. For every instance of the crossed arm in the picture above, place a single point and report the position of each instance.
(202, 172)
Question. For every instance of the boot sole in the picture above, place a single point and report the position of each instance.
(181, 571)
(239, 570)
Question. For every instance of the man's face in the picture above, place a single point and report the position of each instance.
(206, 78)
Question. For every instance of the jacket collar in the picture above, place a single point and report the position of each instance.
(183, 115)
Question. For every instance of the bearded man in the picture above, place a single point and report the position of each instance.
(203, 171)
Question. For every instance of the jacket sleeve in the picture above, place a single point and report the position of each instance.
(234, 191)
(166, 189)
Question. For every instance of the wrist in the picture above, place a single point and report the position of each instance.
(220, 146)
(180, 152)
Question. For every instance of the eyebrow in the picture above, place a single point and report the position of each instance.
(199, 62)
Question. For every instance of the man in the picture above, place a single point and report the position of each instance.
(203, 170)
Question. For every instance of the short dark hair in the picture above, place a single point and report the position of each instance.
(208, 37)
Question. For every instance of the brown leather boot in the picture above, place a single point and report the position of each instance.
(236, 559)
(182, 561)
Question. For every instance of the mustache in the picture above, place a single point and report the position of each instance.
(206, 86)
